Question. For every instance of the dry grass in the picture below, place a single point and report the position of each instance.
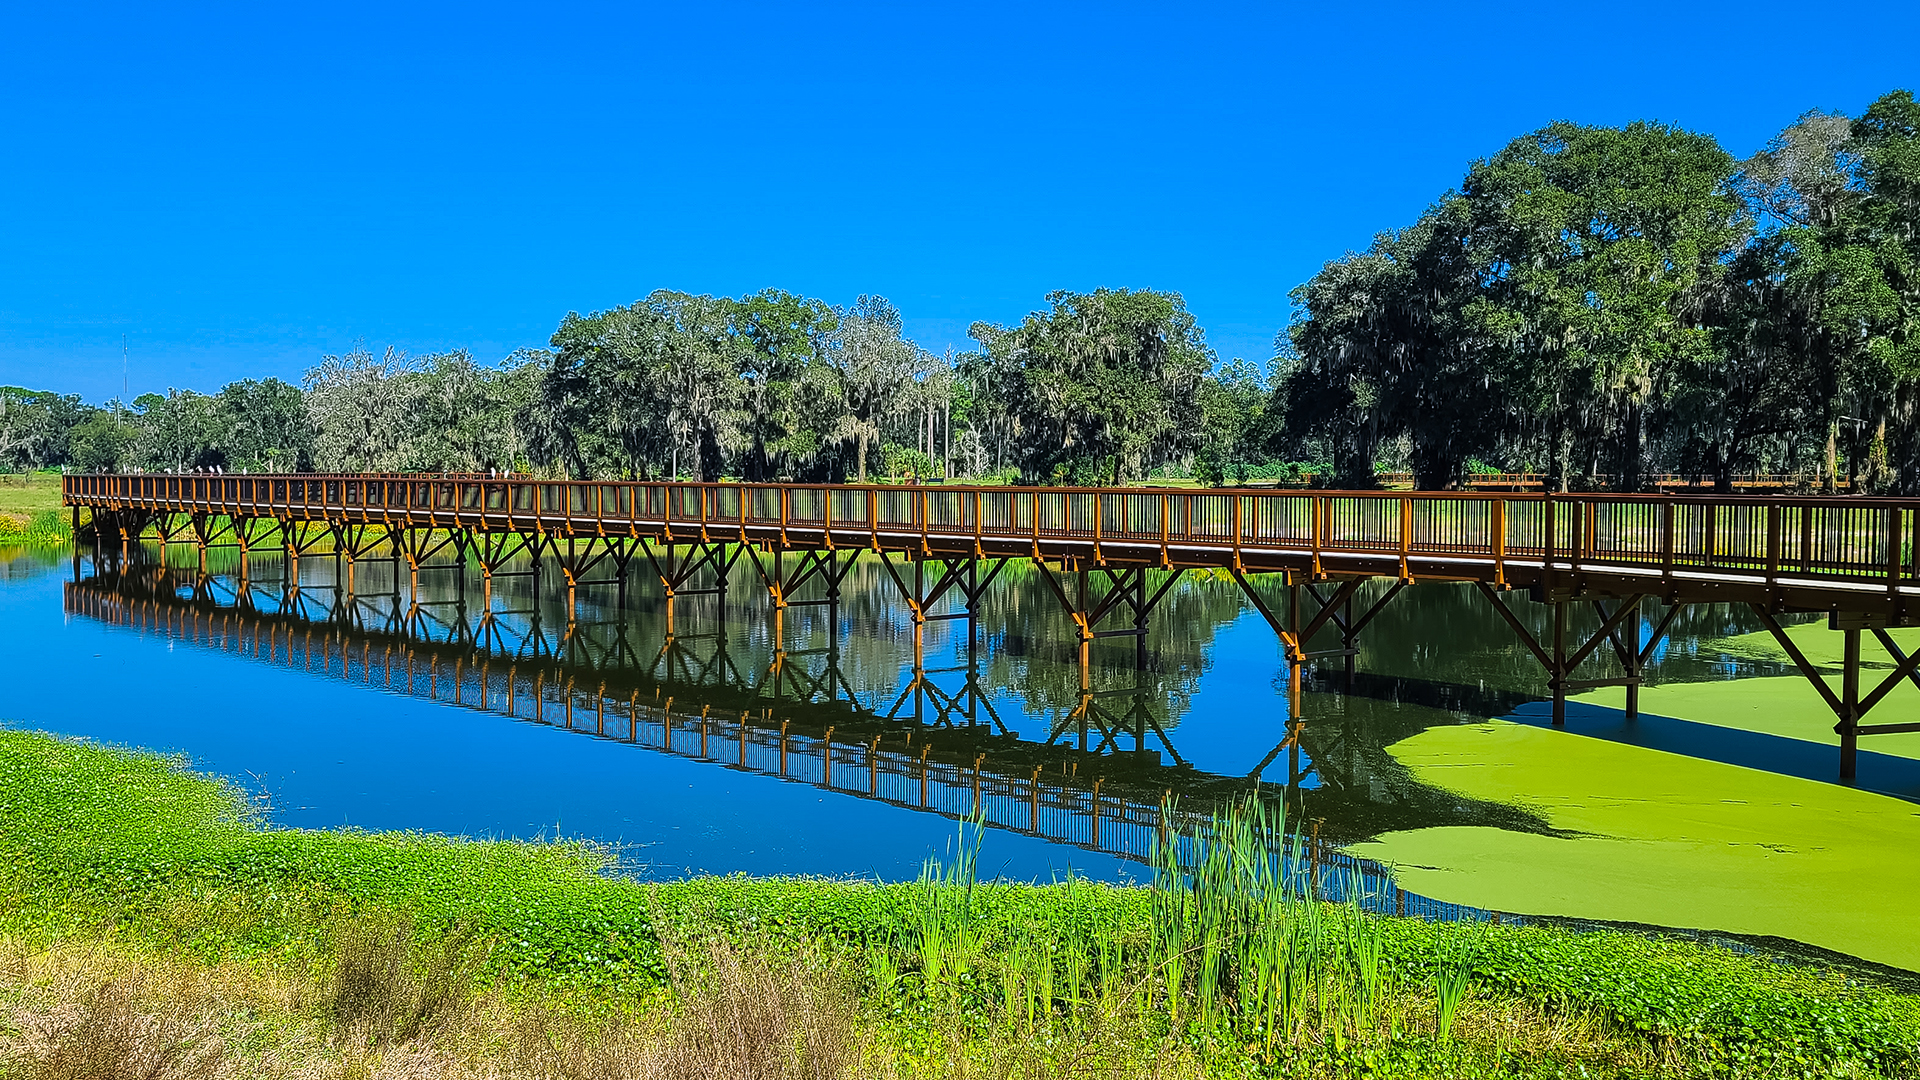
(79, 1012)
(113, 1034)
(382, 993)
(383, 1011)
(742, 1017)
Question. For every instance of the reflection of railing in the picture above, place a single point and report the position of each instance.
(863, 756)
(896, 765)
(1491, 536)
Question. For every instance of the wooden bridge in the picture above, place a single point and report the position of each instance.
(1851, 558)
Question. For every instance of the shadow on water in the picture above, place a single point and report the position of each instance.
(1884, 774)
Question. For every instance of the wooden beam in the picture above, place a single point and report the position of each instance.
(1519, 628)
(1905, 669)
(1819, 682)
(1605, 633)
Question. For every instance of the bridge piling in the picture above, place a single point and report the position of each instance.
(1557, 671)
(1849, 727)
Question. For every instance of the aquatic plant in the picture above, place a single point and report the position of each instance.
(1452, 975)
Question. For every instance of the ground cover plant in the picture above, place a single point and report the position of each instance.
(152, 925)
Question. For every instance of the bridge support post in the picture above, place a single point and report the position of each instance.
(1557, 670)
(1293, 642)
(1849, 727)
(1349, 640)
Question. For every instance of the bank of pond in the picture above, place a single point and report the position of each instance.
(156, 925)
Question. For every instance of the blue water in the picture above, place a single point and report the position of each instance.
(318, 750)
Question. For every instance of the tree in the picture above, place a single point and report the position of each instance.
(34, 427)
(1232, 403)
(1740, 404)
(631, 390)
(261, 425)
(1596, 248)
(464, 414)
(100, 442)
(361, 409)
(1839, 258)
(1887, 302)
(1379, 350)
(177, 432)
(1102, 382)
(789, 397)
(873, 364)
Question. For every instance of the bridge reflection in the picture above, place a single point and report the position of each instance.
(1094, 782)
(1104, 775)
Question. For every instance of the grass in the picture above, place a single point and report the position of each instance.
(151, 925)
(30, 510)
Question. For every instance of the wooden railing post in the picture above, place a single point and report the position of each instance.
(1893, 549)
(1774, 512)
(1236, 531)
(1406, 534)
(1500, 542)
(1316, 523)
(1666, 537)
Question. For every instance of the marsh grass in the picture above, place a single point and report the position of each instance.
(766, 1013)
(1454, 951)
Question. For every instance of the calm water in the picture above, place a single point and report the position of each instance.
(808, 742)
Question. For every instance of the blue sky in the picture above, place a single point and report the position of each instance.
(241, 189)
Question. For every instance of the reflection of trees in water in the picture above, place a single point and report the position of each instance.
(1340, 773)
(1436, 654)
(23, 563)
(1446, 633)
(1034, 645)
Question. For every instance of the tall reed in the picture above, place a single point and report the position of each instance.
(1241, 944)
(942, 918)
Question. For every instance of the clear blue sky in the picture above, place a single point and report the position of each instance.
(241, 189)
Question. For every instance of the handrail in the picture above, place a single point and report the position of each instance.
(1490, 534)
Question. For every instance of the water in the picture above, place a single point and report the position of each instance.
(812, 742)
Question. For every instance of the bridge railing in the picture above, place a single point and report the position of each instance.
(1852, 538)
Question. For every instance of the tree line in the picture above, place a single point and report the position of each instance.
(1108, 386)
(1596, 304)
(1605, 303)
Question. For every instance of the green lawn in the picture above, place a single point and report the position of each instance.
(25, 495)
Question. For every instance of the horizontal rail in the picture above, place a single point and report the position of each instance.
(1478, 534)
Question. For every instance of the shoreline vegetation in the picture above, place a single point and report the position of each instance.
(30, 510)
(153, 924)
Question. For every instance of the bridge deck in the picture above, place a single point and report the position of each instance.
(1847, 554)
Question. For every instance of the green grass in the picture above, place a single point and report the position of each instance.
(30, 510)
(22, 495)
(134, 851)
